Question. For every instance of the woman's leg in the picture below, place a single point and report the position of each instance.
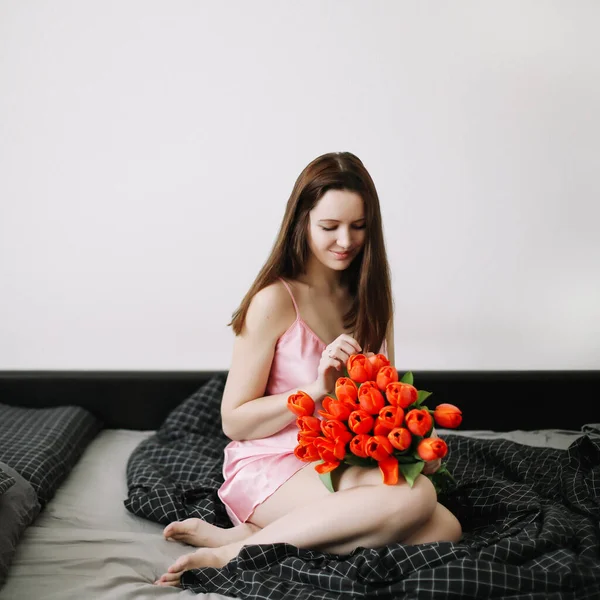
(363, 512)
(442, 527)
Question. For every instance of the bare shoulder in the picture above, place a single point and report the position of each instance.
(270, 314)
(272, 309)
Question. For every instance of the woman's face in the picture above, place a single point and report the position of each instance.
(336, 229)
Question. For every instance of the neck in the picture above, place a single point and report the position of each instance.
(320, 278)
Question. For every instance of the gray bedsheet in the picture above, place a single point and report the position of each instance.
(86, 545)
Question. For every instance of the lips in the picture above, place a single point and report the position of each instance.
(341, 255)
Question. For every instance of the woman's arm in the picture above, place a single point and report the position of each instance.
(245, 411)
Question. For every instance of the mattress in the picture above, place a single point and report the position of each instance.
(86, 545)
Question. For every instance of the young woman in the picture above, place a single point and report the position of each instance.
(323, 294)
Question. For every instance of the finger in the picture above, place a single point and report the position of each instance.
(335, 363)
(337, 353)
(344, 337)
(347, 347)
(340, 348)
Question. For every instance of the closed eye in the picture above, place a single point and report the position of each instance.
(332, 228)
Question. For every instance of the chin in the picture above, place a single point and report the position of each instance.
(340, 265)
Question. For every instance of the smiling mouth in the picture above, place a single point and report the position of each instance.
(341, 255)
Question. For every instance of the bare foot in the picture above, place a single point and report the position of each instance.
(197, 532)
(203, 557)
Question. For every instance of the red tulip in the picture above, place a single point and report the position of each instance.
(306, 453)
(432, 448)
(419, 421)
(308, 437)
(378, 447)
(360, 421)
(401, 394)
(385, 376)
(357, 445)
(346, 391)
(389, 469)
(326, 467)
(378, 361)
(392, 416)
(370, 398)
(336, 431)
(329, 450)
(381, 428)
(447, 415)
(309, 424)
(301, 404)
(400, 438)
(334, 409)
(359, 368)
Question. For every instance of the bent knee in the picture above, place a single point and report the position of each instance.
(424, 496)
(453, 529)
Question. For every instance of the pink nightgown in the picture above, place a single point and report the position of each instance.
(254, 469)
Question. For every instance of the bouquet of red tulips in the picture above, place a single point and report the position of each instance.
(374, 418)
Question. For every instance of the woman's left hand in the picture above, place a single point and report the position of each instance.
(433, 465)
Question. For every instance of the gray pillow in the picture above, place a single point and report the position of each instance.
(19, 506)
(44, 444)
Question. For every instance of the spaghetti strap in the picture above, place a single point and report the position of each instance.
(287, 287)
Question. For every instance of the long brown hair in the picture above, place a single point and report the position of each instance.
(368, 276)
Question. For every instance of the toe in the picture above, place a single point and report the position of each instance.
(181, 564)
(169, 579)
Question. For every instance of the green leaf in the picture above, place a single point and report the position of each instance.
(326, 479)
(358, 461)
(415, 454)
(422, 396)
(406, 459)
(407, 378)
(411, 471)
(442, 480)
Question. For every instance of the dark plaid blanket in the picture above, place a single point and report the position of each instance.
(530, 518)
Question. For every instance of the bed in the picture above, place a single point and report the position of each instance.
(96, 464)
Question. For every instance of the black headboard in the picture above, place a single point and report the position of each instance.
(496, 400)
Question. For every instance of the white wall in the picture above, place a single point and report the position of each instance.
(147, 149)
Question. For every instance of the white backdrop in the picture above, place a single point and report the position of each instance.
(148, 147)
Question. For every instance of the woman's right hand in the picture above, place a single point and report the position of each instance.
(332, 362)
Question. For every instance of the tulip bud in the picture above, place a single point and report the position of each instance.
(419, 421)
(378, 361)
(432, 448)
(400, 438)
(301, 404)
(359, 368)
(370, 398)
(447, 415)
(385, 376)
(346, 390)
(401, 394)
(378, 447)
(357, 445)
(360, 421)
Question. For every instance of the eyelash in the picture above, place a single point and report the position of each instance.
(353, 227)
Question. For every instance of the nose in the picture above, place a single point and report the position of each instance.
(344, 241)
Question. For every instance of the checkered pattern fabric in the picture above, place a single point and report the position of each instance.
(43, 444)
(6, 481)
(530, 518)
(175, 474)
